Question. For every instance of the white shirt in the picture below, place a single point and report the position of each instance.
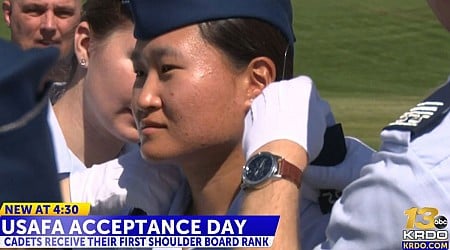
(127, 182)
(66, 161)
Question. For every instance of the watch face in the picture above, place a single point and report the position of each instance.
(259, 168)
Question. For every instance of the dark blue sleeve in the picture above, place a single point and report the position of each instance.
(27, 162)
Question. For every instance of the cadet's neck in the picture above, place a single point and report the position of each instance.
(84, 135)
(215, 180)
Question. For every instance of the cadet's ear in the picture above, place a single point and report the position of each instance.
(261, 72)
(6, 7)
(81, 43)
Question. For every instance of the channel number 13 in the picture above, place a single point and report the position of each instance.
(426, 213)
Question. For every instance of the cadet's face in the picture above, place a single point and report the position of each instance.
(42, 23)
(109, 83)
(187, 100)
(441, 9)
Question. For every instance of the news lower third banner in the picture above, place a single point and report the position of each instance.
(68, 225)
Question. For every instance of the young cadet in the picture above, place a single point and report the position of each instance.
(95, 124)
(89, 185)
(26, 174)
(204, 70)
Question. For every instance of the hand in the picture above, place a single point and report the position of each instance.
(290, 110)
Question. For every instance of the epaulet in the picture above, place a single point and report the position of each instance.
(426, 115)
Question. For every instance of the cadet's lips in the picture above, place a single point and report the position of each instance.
(148, 126)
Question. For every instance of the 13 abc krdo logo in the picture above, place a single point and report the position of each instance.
(425, 228)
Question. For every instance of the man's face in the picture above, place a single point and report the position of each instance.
(42, 23)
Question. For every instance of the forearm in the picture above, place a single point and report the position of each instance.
(280, 197)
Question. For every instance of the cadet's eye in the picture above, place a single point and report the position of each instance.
(167, 67)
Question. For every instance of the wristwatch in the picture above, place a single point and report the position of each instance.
(263, 167)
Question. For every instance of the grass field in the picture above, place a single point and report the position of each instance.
(372, 59)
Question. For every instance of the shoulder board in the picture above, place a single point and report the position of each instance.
(426, 115)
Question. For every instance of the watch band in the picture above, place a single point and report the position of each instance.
(265, 166)
(290, 172)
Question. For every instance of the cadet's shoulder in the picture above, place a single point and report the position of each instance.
(426, 115)
(424, 129)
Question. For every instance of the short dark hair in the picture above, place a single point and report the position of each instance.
(243, 39)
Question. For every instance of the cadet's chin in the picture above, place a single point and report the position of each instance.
(154, 154)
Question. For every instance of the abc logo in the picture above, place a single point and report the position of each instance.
(440, 222)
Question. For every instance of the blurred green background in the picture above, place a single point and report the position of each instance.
(4, 31)
(372, 60)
